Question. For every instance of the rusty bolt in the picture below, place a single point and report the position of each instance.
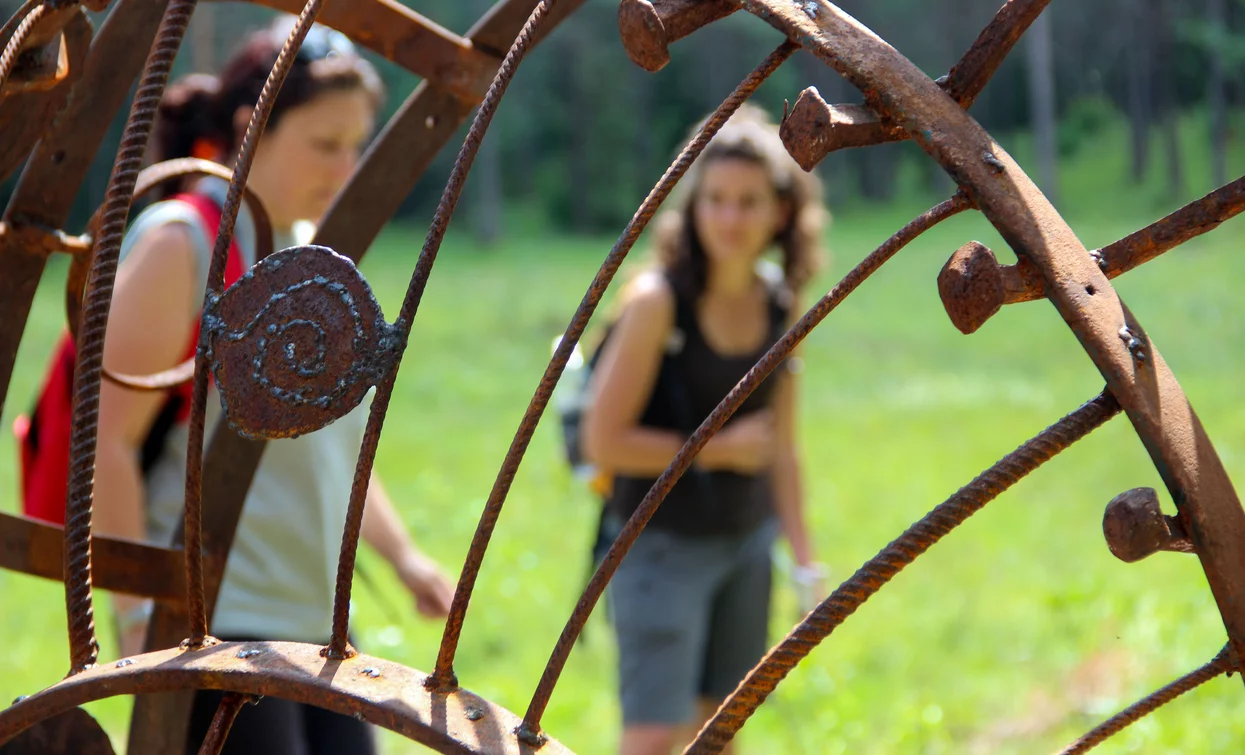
(814, 128)
(971, 286)
(1135, 527)
(648, 27)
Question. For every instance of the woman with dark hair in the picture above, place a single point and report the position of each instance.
(690, 602)
(279, 579)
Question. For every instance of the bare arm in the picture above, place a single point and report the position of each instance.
(623, 382)
(149, 328)
(384, 530)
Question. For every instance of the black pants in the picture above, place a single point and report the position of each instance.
(280, 727)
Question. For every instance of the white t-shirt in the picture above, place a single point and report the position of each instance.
(279, 578)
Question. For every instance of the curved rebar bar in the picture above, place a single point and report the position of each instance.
(215, 283)
(443, 674)
(1217, 666)
(338, 644)
(83, 648)
(727, 407)
(880, 569)
(16, 19)
(14, 45)
(230, 704)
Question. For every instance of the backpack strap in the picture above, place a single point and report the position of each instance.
(178, 407)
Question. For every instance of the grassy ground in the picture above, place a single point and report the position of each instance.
(1015, 635)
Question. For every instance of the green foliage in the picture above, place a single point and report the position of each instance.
(1015, 634)
(1084, 118)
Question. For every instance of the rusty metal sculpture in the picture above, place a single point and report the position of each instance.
(55, 73)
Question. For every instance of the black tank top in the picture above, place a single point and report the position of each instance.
(692, 380)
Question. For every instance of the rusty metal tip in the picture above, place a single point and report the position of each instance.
(643, 35)
(805, 130)
(1135, 527)
(970, 286)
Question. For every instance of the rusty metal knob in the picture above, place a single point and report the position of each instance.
(649, 27)
(971, 286)
(1135, 527)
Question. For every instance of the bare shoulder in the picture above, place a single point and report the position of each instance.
(649, 295)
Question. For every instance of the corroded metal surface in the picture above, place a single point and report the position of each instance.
(297, 343)
(73, 732)
(300, 338)
(375, 690)
(32, 547)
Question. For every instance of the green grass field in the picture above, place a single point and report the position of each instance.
(1014, 635)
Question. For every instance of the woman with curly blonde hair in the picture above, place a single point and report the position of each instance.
(690, 602)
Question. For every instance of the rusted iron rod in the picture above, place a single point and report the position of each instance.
(1022, 282)
(374, 690)
(411, 40)
(648, 27)
(338, 644)
(193, 527)
(443, 675)
(856, 126)
(727, 407)
(1111, 336)
(14, 46)
(230, 704)
(55, 170)
(83, 647)
(15, 20)
(1217, 666)
(390, 167)
(879, 570)
(36, 548)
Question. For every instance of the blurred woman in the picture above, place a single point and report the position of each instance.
(279, 579)
(690, 602)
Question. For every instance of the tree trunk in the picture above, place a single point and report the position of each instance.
(487, 194)
(1169, 116)
(1140, 110)
(1217, 18)
(1042, 103)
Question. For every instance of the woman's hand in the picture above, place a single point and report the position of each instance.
(744, 445)
(432, 590)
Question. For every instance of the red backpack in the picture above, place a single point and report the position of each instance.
(43, 436)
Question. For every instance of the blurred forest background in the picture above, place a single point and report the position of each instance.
(578, 104)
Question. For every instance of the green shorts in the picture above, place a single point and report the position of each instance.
(691, 615)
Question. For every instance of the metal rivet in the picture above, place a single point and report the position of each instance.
(124, 662)
(371, 671)
(474, 714)
(1099, 258)
(1135, 345)
(244, 654)
(995, 164)
(19, 698)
